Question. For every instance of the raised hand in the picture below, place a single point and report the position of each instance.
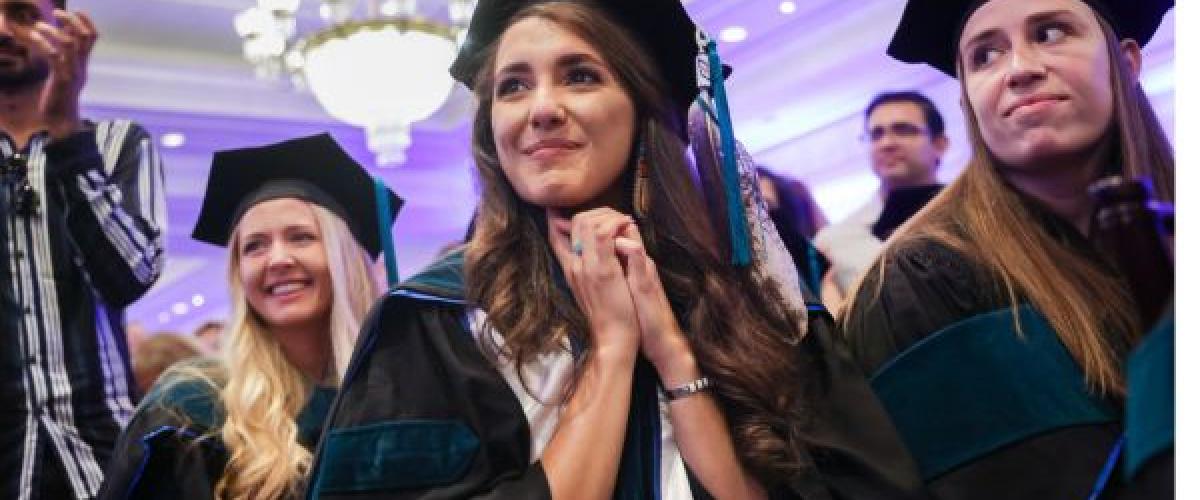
(67, 45)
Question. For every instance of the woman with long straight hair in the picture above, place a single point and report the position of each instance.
(302, 234)
(598, 337)
(993, 326)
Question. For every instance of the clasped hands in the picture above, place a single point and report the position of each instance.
(616, 285)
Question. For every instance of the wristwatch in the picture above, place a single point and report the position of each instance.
(701, 384)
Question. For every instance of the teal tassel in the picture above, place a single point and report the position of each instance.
(383, 209)
(814, 269)
(739, 236)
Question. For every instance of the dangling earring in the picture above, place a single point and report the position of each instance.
(641, 193)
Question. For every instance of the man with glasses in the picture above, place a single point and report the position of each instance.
(81, 232)
(907, 139)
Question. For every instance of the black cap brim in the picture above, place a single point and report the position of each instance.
(661, 26)
(315, 169)
(929, 29)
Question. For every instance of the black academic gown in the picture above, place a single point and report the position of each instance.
(172, 448)
(424, 415)
(1149, 462)
(987, 414)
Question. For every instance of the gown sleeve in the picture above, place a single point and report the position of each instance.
(922, 288)
(987, 408)
(1149, 463)
(857, 450)
(165, 452)
(423, 415)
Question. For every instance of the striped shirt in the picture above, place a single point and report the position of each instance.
(90, 246)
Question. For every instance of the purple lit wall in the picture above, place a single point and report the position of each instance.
(799, 85)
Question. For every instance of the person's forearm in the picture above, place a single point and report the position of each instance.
(120, 215)
(582, 459)
(703, 437)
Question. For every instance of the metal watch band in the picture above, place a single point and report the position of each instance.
(701, 384)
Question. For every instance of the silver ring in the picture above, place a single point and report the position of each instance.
(577, 248)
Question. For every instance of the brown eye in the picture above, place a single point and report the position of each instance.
(251, 246)
(508, 86)
(582, 76)
(983, 55)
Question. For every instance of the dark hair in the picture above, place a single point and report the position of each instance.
(933, 118)
(797, 208)
(742, 337)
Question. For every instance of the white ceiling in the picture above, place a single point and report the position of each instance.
(800, 83)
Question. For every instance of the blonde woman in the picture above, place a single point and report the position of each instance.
(993, 328)
(302, 232)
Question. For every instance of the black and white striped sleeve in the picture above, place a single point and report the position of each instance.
(116, 206)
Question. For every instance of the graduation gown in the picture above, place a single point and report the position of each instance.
(172, 448)
(424, 414)
(986, 413)
(1149, 463)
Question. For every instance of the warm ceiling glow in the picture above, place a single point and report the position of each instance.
(383, 77)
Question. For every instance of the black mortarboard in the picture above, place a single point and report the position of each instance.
(929, 29)
(315, 169)
(661, 26)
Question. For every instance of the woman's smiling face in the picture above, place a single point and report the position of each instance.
(562, 122)
(282, 264)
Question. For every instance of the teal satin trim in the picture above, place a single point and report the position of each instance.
(443, 278)
(194, 400)
(311, 418)
(383, 211)
(395, 455)
(1150, 407)
(814, 268)
(977, 386)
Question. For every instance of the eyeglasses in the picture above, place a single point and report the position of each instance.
(15, 173)
(898, 129)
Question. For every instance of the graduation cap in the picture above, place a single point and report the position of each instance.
(662, 27)
(685, 56)
(315, 169)
(929, 29)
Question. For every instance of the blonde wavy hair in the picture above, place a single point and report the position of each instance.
(265, 392)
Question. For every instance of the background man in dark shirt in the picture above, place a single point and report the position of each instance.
(907, 139)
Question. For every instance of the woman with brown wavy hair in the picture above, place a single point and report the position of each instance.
(994, 327)
(302, 232)
(594, 340)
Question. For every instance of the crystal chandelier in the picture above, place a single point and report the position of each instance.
(382, 71)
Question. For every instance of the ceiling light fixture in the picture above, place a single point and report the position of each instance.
(382, 72)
